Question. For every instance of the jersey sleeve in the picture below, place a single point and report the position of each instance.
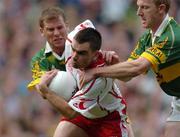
(157, 54)
(86, 101)
(135, 54)
(39, 66)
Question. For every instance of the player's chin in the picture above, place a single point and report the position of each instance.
(59, 44)
(74, 65)
(145, 26)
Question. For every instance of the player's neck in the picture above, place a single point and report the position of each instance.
(59, 51)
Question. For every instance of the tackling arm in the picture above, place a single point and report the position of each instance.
(123, 71)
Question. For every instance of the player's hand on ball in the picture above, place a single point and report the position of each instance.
(47, 77)
(42, 87)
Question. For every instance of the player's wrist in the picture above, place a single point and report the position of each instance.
(95, 73)
(44, 89)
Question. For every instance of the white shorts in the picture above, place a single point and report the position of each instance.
(175, 114)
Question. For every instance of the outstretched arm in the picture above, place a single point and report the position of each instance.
(123, 71)
(127, 69)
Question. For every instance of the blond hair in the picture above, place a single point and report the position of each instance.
(51, 13)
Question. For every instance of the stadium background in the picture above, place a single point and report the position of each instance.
(25, 114)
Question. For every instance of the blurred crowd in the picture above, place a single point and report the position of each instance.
(26, 114)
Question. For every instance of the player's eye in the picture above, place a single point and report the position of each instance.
(50, 29)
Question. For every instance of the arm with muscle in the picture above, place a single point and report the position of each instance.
(123, 71)
(58, 102)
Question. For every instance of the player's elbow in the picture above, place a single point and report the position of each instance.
(70, 114)
(137, 70)
(126, 79)
(140, 66)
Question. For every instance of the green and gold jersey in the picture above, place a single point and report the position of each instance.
(164, 55)
(43, 62)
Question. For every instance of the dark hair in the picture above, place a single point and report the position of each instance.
(91, 36)
(165, 2)
(51, 13)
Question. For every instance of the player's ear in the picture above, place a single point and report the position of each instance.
(67, 26)
(41, 31)
(162, 8)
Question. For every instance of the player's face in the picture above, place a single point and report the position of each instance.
(149, 14)
(55, 32)
(82, 55)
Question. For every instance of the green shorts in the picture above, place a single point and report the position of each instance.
(175, 114)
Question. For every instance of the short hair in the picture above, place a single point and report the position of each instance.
(165, 2)
(90, 35)
(51, 13)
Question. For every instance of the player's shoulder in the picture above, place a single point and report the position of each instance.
(174, 24)
(40, 54)
(145, 34)
(171, 34)
(173, 30)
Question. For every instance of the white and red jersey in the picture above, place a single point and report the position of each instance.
(98, 101)
(99, 97)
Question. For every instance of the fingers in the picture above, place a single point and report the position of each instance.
(47, 78)
(110, 57)
(82, 77)
(51, 72)
(86, 77)
(42, 86)
(81, 83)
(115, 59)
(107, 56)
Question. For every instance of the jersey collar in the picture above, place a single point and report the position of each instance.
(98, 62)
(48, 49)
(163, 25)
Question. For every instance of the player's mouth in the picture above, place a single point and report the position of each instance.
(143, 21)
(59, 40)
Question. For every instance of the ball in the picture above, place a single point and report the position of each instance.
(63, 84)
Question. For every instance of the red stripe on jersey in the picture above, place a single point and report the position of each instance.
(91, 85)
(68, 39)
(82, 26)
(122, 101)
(68, 59)
(115, 95)
(99, 62)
